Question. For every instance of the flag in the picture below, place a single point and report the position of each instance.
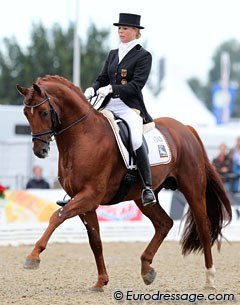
(223, 102)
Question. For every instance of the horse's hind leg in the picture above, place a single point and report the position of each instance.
(91, 223)
(162, 224)
(200, 232)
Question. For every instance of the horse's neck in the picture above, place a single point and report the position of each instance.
(87, 125)
(91, 137)
(74, 104)
(70, 107)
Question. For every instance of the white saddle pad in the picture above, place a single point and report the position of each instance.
(159, 152)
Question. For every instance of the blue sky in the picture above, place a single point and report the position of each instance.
(186, 32)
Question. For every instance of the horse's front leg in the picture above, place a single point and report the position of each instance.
(33, 259)
(77, 205)
(91, 223)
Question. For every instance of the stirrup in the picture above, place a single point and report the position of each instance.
(63, 202)
(151, 200)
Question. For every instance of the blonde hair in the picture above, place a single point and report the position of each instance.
(138, 35)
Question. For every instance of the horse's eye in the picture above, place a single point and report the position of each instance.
(44, 114)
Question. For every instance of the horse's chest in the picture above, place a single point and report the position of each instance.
(66, 174)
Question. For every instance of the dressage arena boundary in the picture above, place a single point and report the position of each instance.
(73, 230)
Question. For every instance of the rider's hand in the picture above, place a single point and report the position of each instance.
(104, 91)
(89, 93)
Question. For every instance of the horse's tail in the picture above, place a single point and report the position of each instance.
(218, 208)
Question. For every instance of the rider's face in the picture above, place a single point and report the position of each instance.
(127, 33)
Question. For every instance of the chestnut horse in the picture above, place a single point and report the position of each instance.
(91, 169)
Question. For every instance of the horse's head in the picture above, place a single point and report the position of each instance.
(42, 117)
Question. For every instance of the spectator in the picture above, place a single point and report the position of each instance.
(37, 182)
(235, 153)
(223, 164)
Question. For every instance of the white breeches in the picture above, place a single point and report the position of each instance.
(134, 120)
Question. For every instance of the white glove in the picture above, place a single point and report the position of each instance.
(104, 91)
(89, 93)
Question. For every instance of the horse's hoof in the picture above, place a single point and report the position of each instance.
(31, 263)
(96, 289)
(149, 277)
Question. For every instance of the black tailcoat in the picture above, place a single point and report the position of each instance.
(127, 78)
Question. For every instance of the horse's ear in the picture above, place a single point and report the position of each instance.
(37, 88)
(21, 90)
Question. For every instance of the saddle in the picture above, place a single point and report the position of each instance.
(159, 153)
(157, 146)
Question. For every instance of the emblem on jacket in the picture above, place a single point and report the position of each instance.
(123, 72)
(123, 81)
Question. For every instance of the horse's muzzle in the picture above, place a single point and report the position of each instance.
(41, 151)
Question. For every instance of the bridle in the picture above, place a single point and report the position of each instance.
(52, 132)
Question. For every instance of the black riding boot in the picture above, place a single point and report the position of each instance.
(143, 165)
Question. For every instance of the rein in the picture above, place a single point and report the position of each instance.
(54, 120)
(74, 123)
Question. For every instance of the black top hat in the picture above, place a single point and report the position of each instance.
(129, 20)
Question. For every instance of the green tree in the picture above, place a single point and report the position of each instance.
(93, 55)
(11, 66)
(49, 52)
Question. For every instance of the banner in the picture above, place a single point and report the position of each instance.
(124, 211)
(24, 207)
(223, 102)
(37, 206)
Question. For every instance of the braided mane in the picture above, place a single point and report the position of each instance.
(59, 79)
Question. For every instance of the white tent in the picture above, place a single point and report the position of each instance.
(177, 100)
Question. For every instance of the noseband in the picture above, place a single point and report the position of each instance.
(52, 132)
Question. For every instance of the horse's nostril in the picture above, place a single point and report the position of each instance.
(44, 151)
